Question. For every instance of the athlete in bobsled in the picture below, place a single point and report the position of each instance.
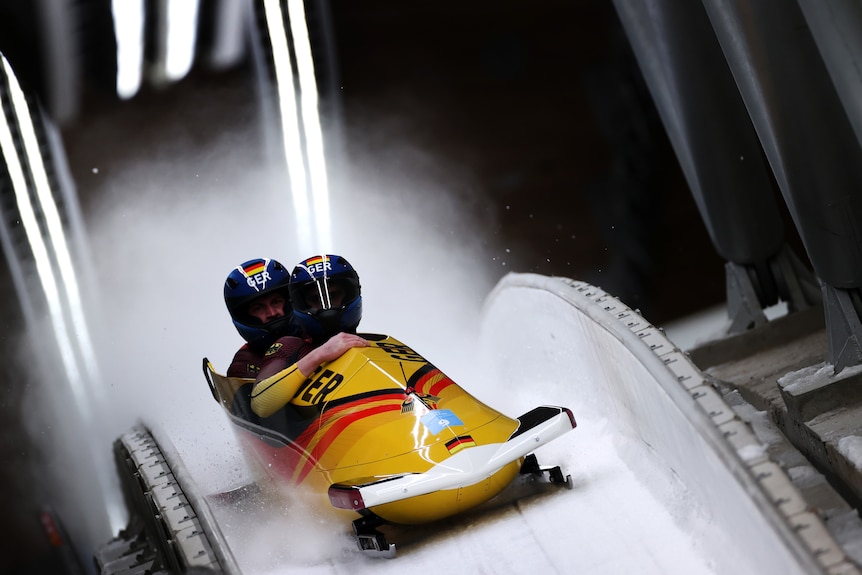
(326, 299)
(377, 428)
(257, 296)
(257, 299)
(326, 296)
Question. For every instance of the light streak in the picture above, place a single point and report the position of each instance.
(129, 35)
(84, 398)
(56, 233)
(289, 123)
(303, 141)
(37, 244)
(311, 124)
(181, 37)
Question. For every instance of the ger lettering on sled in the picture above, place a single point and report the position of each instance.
(383, 433)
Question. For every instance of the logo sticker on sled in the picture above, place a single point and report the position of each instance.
(439, 419)
(459, 443)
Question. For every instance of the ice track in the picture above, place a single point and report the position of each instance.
(658, 486)
(609, 523)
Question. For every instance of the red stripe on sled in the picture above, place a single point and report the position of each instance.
(438, 382)
(307, 436)
(335, 430)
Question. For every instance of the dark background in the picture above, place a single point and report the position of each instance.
(544, 109)
(540, 102)
(547, 108)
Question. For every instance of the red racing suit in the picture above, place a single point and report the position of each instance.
(286, 350)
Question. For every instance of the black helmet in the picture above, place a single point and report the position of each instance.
(247, 282)
(326, 296)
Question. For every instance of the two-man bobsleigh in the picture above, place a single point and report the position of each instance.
(387, 435)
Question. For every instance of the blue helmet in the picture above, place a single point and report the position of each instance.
(247, 282)
(326, 296)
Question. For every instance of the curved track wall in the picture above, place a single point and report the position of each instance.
(592, 348)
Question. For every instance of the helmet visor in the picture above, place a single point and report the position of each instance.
(324, 294)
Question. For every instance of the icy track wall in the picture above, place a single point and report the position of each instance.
(604, 357)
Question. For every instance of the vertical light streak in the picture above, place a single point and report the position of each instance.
(129, 35)
(84, 398)
(311, 124)
(181, 37)
(40, 250)
(56, 233)
(229, 34)
(289, 122)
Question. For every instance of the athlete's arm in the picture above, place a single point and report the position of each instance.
(276, 384)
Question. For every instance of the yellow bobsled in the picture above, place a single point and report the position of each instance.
(386, 434)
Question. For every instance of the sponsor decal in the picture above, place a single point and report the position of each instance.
(439, 419)
(460, 443)
(421, 402)
(273, 349)
(407, 404)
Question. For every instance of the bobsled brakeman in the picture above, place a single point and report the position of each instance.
(388, 435)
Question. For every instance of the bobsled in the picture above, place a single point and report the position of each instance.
(384, 434)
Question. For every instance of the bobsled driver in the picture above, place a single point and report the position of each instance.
(327, 306)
